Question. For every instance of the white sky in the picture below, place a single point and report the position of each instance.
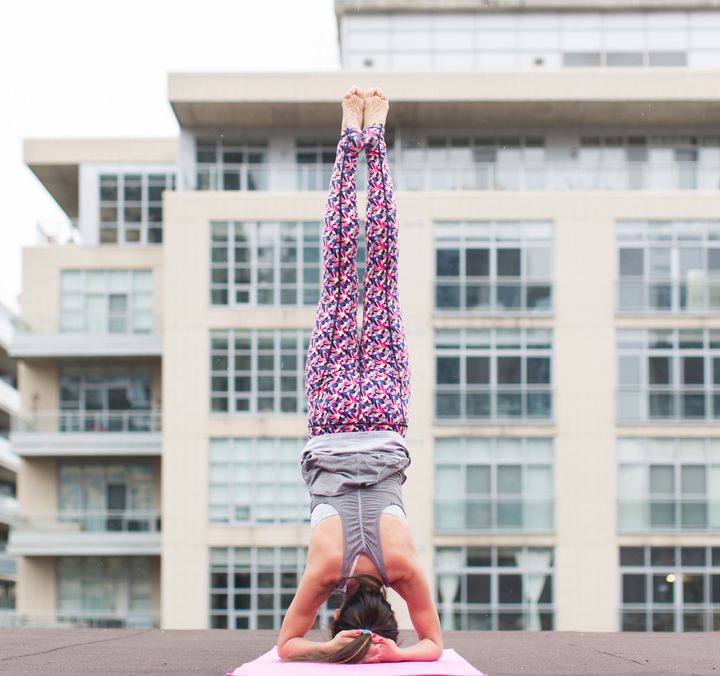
(90, 68)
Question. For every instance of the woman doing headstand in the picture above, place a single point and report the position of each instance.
(357, 393)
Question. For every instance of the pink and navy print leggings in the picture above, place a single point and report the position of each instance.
(359, 383)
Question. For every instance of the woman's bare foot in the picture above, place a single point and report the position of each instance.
(353, 105)
(376, 107)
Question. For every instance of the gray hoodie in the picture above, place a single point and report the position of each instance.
(333, 464)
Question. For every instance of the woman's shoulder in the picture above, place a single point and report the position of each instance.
(399, 553)
(325, 552)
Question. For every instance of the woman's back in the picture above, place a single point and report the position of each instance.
(398, 549)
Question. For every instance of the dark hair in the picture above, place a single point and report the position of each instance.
(364, 607)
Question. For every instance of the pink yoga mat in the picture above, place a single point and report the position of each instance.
(269, 664)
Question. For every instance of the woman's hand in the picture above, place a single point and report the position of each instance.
(383, 650)
(341, 639)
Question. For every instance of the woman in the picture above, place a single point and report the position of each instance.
(357, 395)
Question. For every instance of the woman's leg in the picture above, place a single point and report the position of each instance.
(384, 364)
(331, 382)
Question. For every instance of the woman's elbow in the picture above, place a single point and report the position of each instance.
(282, 649)
(440, 648)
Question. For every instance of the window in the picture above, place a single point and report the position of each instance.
(106, 592)
(106, 301)
(107, 496)
(107, 399)
(670, 588)
(494, 588)
(493, 484)
(226, 163)
(257, 481)
(131, 207)
(493, 374)
(668, 374)
(470, 162)
(255, 371)
(315, 160)
(668, 266)
(252, 587)
(532, 39)
(668, 484)
(269, 263)
(488, 267)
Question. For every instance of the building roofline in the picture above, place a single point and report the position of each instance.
(219, 102)
(56, 161)
(347, 7)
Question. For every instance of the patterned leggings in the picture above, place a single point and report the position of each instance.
(354, 384)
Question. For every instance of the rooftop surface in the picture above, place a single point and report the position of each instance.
(110, 652)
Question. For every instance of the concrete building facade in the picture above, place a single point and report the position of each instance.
(557, 173)
(9, 462)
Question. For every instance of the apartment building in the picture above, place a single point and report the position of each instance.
(557, 171)
(9, 406)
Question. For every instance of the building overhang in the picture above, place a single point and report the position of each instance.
(72, 345)
(9, 398)
(56, 162)
(628, 98)
(86, 444)
(343, 7)
(9, 460)
(75, 543)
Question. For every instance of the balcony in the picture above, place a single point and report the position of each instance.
(473, 404)
(91, 433)
(91, 533)
(669, 514)
(9, 396)
(658, 405)
(8, 508)
(545, 176)
(83, 619)
(78, 335)
(8, 459)
(8, 566)
(698, 294)
(496, 514)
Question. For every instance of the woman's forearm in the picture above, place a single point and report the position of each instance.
(423, 651)
(300, 647)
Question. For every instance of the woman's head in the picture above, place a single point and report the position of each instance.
(365, 606)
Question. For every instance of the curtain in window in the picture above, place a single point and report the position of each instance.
(448, 586)
(530, 561)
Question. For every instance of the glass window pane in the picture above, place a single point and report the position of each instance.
(631, 262)
(508, 262)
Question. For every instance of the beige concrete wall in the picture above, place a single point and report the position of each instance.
(37, 485)
(36, 588)
(39, 389)
(585, 541)
(40, 298)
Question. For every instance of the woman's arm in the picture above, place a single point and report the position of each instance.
(312, 592)
(414, 588)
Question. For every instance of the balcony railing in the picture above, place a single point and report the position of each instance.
(509, 296)
(93, 619)
(8, 508)
(134, 420)
(661, 404)
(676, 514)
(8, 564)
(97, 521)
(697, 294)
(467, 403)
(83, 323)
(433, 175)
(497, 514)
